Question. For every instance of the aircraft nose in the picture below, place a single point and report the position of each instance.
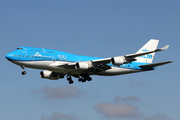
(9, 56)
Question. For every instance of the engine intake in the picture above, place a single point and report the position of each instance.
(117, 61)
(81, 66)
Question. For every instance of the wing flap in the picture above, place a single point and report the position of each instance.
(101, 61)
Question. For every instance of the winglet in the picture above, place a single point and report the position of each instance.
(165, 47)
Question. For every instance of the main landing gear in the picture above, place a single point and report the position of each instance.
(23, 72)
(85, 78)
(82, 79)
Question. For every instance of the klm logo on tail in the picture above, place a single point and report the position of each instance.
(148, 56)
(144, 50)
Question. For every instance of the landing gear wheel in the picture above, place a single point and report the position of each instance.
(83, 80)
(71, 82)
(80, 79)
(70, 79)
(23, 72)
(89, 79)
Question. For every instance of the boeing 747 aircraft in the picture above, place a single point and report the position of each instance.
(57, 64)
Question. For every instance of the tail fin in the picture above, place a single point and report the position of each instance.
(149, 46)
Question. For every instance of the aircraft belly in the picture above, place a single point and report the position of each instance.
(34, 64)
(69, 71)
(64, 70)
(45, 65)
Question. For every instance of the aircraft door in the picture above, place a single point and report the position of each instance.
(44, 51)
(53, 59)
(132, 66)
(32, 57)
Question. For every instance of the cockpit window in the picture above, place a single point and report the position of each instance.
(19, 49)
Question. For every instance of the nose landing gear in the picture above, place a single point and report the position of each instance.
(23, 72)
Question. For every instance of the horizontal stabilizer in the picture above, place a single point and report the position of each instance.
(156, 64)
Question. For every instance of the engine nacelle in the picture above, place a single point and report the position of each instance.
(50, 75)
(117, 61)
(81, 66)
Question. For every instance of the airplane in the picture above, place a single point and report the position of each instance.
(58, 64)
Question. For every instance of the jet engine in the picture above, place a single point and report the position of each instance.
(81, 66)
(117, 61)
(50, 75)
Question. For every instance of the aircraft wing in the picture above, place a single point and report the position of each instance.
(129, 57)
(102, 63)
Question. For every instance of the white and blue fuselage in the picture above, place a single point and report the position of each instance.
(44, 58)
(58, 64)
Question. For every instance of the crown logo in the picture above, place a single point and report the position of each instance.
(145, 50)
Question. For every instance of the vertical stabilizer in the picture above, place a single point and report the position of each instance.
(149, 46)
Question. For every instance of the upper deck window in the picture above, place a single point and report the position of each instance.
(50, 52)
(36, 50)
(19, 49)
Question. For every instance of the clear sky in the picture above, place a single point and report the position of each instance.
(101, 28)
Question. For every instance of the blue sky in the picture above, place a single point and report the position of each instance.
(99, 28)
